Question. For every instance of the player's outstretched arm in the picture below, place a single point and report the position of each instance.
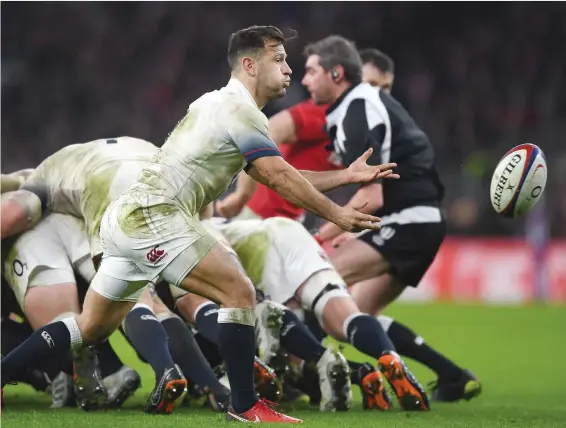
(358, 172)
(276, 173)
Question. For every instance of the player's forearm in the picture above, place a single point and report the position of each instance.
(245, 187)
(325, 181)
(299, 191)
(371, 194)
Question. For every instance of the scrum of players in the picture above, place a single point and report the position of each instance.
(118, 234)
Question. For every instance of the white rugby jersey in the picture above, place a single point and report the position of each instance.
(221, 132)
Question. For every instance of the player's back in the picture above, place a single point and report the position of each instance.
(200, 158)
(82, 179)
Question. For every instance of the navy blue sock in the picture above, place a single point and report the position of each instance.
(51, 342)
(187, 354)
(237, 347)
(410, 345)
(206, 322)
(108, 360)
(314, 326)
(367, 335)
(354, 372)
(298, 340)
(149, 338)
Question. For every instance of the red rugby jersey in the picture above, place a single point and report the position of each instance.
(309, 152)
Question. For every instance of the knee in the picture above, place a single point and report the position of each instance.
(241, 294)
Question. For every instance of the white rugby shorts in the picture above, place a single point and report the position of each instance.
(148, 251)
(46, 255)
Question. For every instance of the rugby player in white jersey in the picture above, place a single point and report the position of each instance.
(39, 266)
(81, 180)
(153, 231)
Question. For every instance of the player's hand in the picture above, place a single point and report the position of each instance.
(360, 172)
(350, 219)
(231, 205)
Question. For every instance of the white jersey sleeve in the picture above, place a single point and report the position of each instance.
(250, 134)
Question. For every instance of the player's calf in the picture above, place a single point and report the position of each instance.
(219, 277)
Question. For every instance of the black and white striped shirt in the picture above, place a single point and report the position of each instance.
(365, 117)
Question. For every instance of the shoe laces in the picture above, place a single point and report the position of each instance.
(270, 406)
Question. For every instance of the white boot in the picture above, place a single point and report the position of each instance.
(334, 379)
(269, 322)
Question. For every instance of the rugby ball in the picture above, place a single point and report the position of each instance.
(518, 180)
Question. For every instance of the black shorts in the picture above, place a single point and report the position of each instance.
(409, 247)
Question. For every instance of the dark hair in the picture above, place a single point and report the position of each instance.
(252, 39)
(378, 59)
(336, 50)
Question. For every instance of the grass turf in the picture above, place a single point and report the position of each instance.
(516, 352)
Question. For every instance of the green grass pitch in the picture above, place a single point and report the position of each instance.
(518, 354)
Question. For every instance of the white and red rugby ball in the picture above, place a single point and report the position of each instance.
(518, 180)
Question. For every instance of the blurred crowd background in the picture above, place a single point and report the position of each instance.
(479, 78)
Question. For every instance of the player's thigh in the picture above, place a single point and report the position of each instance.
(114, 290)
(375, 294)
(72, 232)
(36, 261)
(48, 302)
(219, 277)
(356, 261)
(294, 258)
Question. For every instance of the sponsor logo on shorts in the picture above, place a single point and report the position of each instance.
(385, 234)
(47, 337)
(155, 255)
(148, 318)
(288, 328)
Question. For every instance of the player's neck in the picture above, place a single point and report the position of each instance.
(249, 84)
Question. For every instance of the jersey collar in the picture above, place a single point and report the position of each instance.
(339, 100)
(234, 83)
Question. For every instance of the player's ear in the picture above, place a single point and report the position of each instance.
(337, 73)
(249, 65)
